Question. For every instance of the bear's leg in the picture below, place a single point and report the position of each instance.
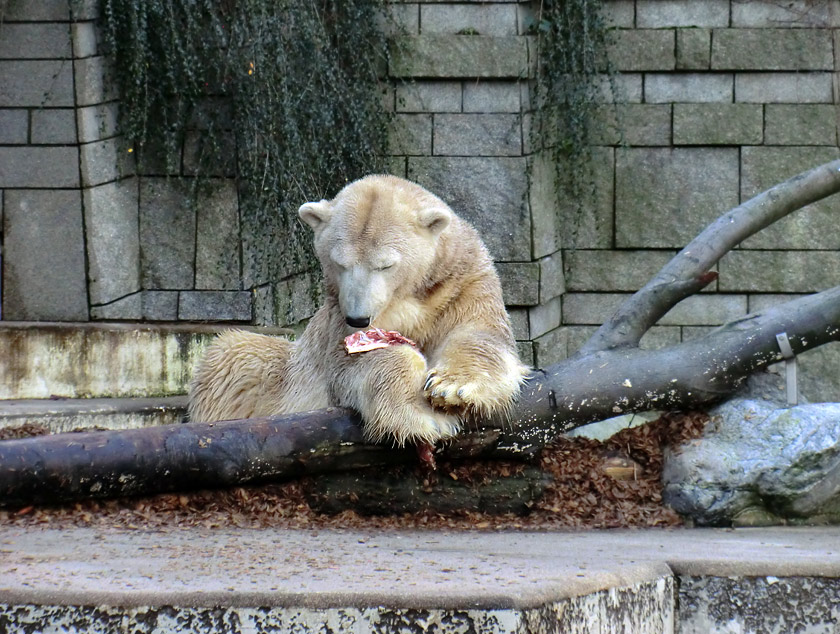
(241, 375)
(386, 387)
(475, 372)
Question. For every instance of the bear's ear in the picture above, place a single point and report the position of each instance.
(315, 214)
(435, 219)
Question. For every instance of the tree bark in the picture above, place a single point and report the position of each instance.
(609, 376)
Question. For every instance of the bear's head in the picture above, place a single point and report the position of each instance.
(377, 242)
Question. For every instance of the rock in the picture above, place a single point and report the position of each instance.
(756, 462)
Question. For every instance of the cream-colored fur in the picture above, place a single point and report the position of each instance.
(393, 253)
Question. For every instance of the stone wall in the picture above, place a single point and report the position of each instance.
(720, 99)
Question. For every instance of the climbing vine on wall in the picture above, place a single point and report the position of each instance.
(282, 94)
(572, 76)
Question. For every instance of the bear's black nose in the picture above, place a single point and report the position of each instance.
(358, 322)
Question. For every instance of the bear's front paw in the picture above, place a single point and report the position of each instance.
(477, 394)
(412, 424)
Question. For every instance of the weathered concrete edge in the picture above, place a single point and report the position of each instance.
(412, 599)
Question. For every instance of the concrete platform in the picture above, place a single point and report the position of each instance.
(247, 580)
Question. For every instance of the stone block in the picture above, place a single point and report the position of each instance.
(36, 83)
(492, 96)
(209, 156)
(113, 240)
(490, 193)
(718, 124)
(694, 49)
(607, 270)
(39, 166)
(167, 233)
(429, 96)
(666, 196)
(84, 10)
(84, 39)
(93, 84)
(779, 271)
(552, 277)
(706, 310)
(545, 317)
(54, 126)
(657, 14)
(125, 308)
(160, 305)
(14, 127)
(772, 49)
(642, 49)
(43, 256)
(812, 227)
(297, 298)
(525, 352)
(590, 309)
(214, 306)
(397, 166)
(41, 11)
(263, 302)
(46, 40)
(442, 56)
(411, 135)
(791, 13)
(619, 13)
(96, 122)
(217, 254)
(688, 87)
(632, 123)
(625, 88)
(520, 282)
(400, 19)
(762, 302)
(551, 348)
(104, 161)
(655, 338)
(587, 216)
(800, 124)
(477, 135)
(519, 323)
(784, 87)
(468, 19)
(543, 204)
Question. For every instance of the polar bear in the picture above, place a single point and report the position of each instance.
(396, 257)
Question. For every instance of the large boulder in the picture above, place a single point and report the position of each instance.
(759, 463)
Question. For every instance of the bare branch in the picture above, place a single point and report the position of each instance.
(688, 272)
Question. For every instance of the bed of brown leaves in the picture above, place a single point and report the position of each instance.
(582, 494)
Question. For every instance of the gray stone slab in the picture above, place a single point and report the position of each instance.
(36, 83)
(411, 135)
(159, 305)
(215, 306)
(642, 49)
(657, 14)
(54, 126)
(800, 124)
(93, 84)
(543, 205)
(519, 322)
(551, 348)
(113, 240)
(167, 233)
(545, 317)
(48, 40)
(218, 245)
(477, 135)
(772, 49)
(607, 270)
(779, 271)
(694, 49)
(428, 96)
(473, 18)
(812, 227)
(441, 56)
(619, 13)
(525, 352)
(296, 298)
(792, 13)
(552, 277)
(590, 309)
(97, 122)
(633, 124)
(491, 193)
(655, 338)
(718, 124)
(814, 87)
(42, 11)
(492, 96)
(84, 39)
(14, 126)
(688, 87)
(39, 166)
(129, 308)
(587, 217)
(104, 161)
(706, 309)
(43, 256)
(520, 282)
(665, 197)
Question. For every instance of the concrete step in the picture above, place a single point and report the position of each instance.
(98, 360)
(248, 580)
(62, 415)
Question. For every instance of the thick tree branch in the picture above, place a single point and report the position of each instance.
(688, 272)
